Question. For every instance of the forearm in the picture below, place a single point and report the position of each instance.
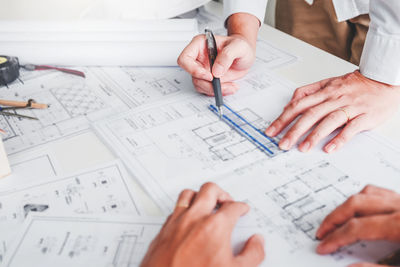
(245, 25)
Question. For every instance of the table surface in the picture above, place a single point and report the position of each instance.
(86, 150)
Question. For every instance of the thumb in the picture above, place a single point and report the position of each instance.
(253, 252)
(225, 59)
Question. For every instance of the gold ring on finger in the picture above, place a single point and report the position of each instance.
(346, 113)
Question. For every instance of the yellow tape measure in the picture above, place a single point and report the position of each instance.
(3, 60)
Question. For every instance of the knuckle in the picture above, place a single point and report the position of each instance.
(199, 37)
(185, 192)
(292, 105)
(179, 60)
(335, 116)
(312, 112)
(368, 189)
(352, 225)
(353, 201)
(209, 186)
(315, 137)
(299, 90)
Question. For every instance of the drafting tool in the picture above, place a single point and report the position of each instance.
(10, 66)
(212, 55)
(237, 122)
(14, 105)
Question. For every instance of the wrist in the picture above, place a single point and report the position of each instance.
(245, 26)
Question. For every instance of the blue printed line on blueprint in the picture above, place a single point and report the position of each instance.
(243, 132)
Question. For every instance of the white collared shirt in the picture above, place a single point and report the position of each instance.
(380, 59)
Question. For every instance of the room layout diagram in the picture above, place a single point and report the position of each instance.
(75, 241)
(302, 199)
(103, 190)
(289, 200)
(73, 104)
(187, 141)
(228, 143)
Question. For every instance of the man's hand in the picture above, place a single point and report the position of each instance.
(195, 234)
(236, 54)
(352, 101)
(373, 214)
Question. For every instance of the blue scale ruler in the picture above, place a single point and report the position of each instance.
(237, 122)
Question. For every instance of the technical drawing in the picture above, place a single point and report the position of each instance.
(302, 199)
(101, 190)
(78, 99)
(82, 241)
(228, 144)
(74, 104)
(9, 131)
(130, 248)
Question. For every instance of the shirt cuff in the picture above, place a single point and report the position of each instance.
(256, 8)
(380, 60)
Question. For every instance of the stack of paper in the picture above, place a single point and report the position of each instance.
(97, 43)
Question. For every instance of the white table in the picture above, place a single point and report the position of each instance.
(86, 150)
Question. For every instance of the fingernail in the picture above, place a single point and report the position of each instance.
(261, 238)
(218, 70)
(284, 144)
(321, 249)
(318, 234)
(330, 148)
(270, 131)
(305, 147)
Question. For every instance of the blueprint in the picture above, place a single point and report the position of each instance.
(181, 142)
(289, 200)
(106, 189)
(75, 241)
(93, 241)
(75, 102)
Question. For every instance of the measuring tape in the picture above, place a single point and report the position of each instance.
(9, 69)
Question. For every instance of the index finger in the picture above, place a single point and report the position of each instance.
(357, 205)
(191, 57)
(380, 227)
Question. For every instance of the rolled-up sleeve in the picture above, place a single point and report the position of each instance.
(254, 7)
(380, 59)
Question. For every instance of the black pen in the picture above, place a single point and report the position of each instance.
(212, 55)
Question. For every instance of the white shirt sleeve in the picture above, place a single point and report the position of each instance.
(380, 59)
(254, 7)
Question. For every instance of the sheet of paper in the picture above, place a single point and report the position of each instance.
(105, 189)
(290, 199)
(74, 103)
(98, 241)
(180, 143)
(97, 43)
